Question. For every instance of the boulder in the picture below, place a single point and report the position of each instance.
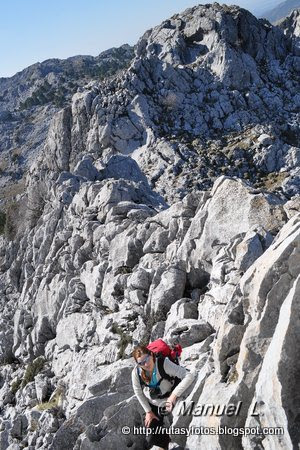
(265, 290)
(232, 209)
(166, 288)
(184, 308)
(189, 331)
(119, 166)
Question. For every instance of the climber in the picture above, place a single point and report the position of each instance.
(158, 383)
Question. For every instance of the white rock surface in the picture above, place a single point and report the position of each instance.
(133, 232)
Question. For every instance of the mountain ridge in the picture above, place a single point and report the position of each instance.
(280, 11)
(33, 95)
(163, 203)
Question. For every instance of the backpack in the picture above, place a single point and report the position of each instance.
(162, 350)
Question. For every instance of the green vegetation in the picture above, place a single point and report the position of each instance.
(233, 377)
(51, 404)
(55, 400)
(11, 221)
(45, 94)
(122, 270)
(2, 222)
(32, 370)
(74, 76)
(272, 180)
(36, 199)
(15, 386)
(24, 212)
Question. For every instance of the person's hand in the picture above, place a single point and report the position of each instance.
(149, 417)
(171, 402)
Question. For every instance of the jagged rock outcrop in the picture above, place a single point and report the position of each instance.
(119, 240)
(291, 27)
(211, 91)
(265, 296)
(30, 99)
(102, 293)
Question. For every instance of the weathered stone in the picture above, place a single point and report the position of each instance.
(94, 261)
(86, 169)
(182, 309)
(167, 289)
(263, 289)
(41, 387)
(232, 209)
(189, 331)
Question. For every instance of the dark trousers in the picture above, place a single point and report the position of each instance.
(159, 438)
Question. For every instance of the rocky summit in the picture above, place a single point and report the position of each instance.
(160, 200)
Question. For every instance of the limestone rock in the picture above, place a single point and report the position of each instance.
(189, 331)
(263, 290)
(166, 288)
(163, 204)
(232, 209)
(182, 309)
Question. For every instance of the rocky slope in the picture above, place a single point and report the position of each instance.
(165, 204)
(281, 11)
(213, 91)
(29, 99)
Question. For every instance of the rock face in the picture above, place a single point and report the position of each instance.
(265, 296)
(138, 223)
(30, 99)
(291, 27)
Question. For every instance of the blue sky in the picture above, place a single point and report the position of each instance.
(34, 30)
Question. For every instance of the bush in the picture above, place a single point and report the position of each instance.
(32, 370)
(36, 200)
(52, 404)
(233, 375)
(55, 399)
(122, 270)
(41, 96)
(24, 212)
(15, 386)
(12, 221)
(2, 222)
